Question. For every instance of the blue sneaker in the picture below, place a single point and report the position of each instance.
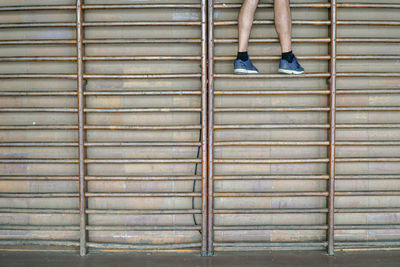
(290, 68)
(244, 67)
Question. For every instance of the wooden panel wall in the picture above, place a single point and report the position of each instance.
(111, 135)
(151, 140)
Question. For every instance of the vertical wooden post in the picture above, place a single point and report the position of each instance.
(81, 122)
(332, 117)
(210, 249)
(204, 113)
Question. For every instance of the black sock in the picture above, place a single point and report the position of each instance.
(288, 56)
(242, 55)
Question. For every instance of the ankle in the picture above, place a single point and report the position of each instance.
(242, 56)
(288, 56)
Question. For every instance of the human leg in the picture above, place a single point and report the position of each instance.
(245, 22)
(283, 26)
(242, 63)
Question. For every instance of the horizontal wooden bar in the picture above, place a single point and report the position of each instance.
(367, 40)
(271, 211)
(372, 159)
(120, 110)
(368, 91)
(270, 126)
(143, 194)
(142, 127)
(38, 144)
(39, 211)
(271, 177)
(38, 127)
(272, 40)
(142, 40)
(268, 249)
(270, 76)
(271, 92)
(139, 6)
(47, 161)
(369, 244)
(305, 210)
(39, 177)
(367, 176)
(367, 193)
(141, 76)
(102, 76)
(143, 246)
(37, 109)
(40, 227)
(149, 92)
(271, 22)
(368, 74)
(37, 7)
(271, 143)
(367, 210)
(14, 242)
(141, 160)
(367, 227)
(268, 227)
(367, 5)
(140, 23)
(141, 144)
(39, 42)
(368, 22)
(144, 178)
(270, 244)
(38, 93)
(367, 143)
(270, 194)
(38, 195)
(370, 108)
(256, 58)
(26, 59)
(270, 161)
(142, 58)
(307, 75)
(37, 25)
(367, 57)
(144, 211)
(271, 109)
(367, 125)
(267, 5)
(143, 228)
(38, 75)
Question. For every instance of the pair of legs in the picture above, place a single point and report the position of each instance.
(283, 23)
(283, 26)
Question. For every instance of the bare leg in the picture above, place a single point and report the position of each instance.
(283, 24)
(245, 21)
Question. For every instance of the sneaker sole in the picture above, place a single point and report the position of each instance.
(290, 71)
(244, 71)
